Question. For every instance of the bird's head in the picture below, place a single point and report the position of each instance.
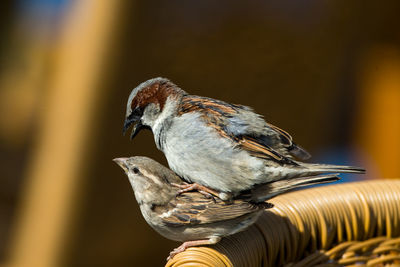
(150, 180)
(147, 101)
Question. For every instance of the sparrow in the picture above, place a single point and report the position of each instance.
(216, 146)
(192, 217)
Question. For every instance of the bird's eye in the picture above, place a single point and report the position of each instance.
(135, 170)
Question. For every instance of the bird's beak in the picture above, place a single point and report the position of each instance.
(135, 119)
(128, 122)
(122, 163)
(137, 126)
(136, 129)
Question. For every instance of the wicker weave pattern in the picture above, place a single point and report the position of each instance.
(345, 224)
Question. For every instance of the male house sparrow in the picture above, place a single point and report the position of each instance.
(191, 217)
(220, 146)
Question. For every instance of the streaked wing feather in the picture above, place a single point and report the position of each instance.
(193, 208)
(259, 150)
(220, 116)
(285, 136)
(287, 139)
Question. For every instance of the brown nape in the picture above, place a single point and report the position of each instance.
(156, 93)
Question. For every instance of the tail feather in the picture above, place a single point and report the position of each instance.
(266, 191)
(325, 168)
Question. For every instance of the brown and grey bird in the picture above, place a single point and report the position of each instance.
(225, 147)
(191, 217)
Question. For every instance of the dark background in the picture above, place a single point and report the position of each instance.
(325, 71)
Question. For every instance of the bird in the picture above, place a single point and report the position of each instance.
(218, 147)
(190, 217)
(193, 217)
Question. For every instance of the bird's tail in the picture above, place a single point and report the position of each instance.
(313, 168)
(269, 190)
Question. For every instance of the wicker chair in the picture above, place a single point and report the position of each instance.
(351, 224)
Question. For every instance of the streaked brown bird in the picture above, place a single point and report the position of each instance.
(191, 217)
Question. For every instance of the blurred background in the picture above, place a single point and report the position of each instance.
(328, 72)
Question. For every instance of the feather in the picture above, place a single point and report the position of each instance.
(246, 129)
(193, 208)
(269, 190)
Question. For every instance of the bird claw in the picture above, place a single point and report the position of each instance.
(205, 191)
(188, 244)
(176, 251)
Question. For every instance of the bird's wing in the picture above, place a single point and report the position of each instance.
(193, 208)
(245, 128)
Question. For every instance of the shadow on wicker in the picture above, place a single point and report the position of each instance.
(352, 224)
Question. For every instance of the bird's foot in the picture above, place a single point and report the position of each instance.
(188, 244)
(207, 192)
(177, 250)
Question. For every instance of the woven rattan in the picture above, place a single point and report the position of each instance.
(349, 224)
